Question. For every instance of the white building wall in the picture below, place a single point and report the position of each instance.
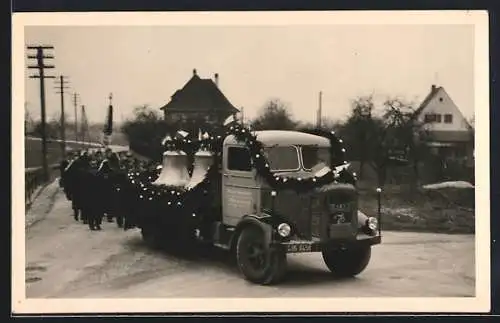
(442, 104)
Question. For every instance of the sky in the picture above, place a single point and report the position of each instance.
(147, 64)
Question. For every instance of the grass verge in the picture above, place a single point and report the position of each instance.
(448, 210)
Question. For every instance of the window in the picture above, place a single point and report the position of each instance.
(238, 158)
(282, 158)
(448, 118)
(312, 156)
(432, 117)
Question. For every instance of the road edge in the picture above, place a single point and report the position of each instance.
(42, 204)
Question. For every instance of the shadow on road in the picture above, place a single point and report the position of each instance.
(223, 261)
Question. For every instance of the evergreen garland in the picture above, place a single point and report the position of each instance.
(168, 198)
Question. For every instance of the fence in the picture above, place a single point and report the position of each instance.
(34, 178)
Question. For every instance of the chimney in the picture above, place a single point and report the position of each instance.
(194, 71)
(216, 77)
(433, 87)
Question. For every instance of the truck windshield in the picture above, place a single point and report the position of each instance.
(312, 156)
(282, 158)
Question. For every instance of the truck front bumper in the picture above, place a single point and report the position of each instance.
(301, 246)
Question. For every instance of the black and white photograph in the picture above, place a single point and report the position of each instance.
(251, 162)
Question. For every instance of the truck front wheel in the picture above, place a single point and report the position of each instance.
(348, 262)
(257, 262)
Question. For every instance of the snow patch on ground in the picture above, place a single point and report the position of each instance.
(401, 212)
(454, 184)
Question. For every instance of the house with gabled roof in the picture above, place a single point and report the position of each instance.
(199, 101)
(449, 134)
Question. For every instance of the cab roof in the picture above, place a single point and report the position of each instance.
(284, 138)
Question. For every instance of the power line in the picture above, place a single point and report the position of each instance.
(61, 87)
(41, 66)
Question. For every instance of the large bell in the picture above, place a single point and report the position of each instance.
(203, 159)
(174, 169)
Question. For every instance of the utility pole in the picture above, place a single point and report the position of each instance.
(75, 105)
(319, 110)
(83, 126)
(40, 66)
(61, 87)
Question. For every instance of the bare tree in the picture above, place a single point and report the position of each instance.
(275, 115)
(145, 131)
(359, 130)
(406, 137)
(391, 138)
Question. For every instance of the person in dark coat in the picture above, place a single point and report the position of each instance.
(80, 192)
(62, 167)
(92, 209)
(105, 188)
(70, 184)
(119, 196)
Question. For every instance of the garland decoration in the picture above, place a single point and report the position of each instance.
(337, 150)
(157, 200)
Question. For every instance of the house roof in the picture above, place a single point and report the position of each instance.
(428, 98)
(434, 91)
(199, 95)
(450, 136)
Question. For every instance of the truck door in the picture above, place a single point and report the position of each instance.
(239, 189)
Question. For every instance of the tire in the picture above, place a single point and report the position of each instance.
(349, 262)
(150, 237)
(119, 221)
(265, 269)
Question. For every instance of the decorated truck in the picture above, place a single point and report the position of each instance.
(259, 194)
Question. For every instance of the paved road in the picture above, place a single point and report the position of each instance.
(65, 259)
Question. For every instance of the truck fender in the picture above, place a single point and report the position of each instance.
(261, 221)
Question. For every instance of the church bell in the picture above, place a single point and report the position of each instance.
(203, 159)
(174, 170)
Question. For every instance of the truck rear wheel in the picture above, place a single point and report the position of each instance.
(150, 237)
(256, 261)
(348, 262)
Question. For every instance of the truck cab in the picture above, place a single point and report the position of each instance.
(262, 225)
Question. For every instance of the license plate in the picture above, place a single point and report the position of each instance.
(298, 247)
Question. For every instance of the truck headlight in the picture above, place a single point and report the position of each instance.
(284, 230)
(372, 223)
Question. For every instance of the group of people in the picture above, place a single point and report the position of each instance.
(92, 180)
